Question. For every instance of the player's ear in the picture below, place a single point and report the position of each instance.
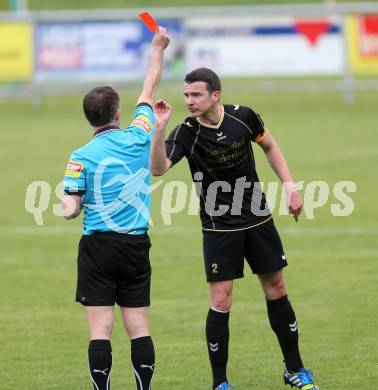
(216, 95)
(117, 115)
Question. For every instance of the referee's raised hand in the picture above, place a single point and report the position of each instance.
(161, 38)
(160, 42)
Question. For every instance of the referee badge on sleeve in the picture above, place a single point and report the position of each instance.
(74, 169)
(143, 122)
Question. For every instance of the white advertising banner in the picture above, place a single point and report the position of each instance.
(266, 46)
(108, 50)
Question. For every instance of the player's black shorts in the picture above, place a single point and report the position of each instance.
(224, 252)
(114, 268)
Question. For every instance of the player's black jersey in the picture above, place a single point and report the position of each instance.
(222, 164)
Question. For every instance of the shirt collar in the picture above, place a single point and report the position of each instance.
(216, 126)
(105, 129)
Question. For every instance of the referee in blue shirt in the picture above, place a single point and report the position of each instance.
(109, 178)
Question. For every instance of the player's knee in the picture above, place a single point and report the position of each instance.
(136, 322)
(276, 289)
(274, 285)
(101, 331)
(140, 330)
(221, 301)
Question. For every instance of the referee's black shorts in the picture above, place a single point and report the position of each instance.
(224, 252)
(114, 268)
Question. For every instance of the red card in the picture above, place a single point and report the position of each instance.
(149, 21)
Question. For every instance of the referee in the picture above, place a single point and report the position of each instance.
(109, 178)
(236, 222)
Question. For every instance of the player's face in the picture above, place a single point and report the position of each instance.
(198, 99)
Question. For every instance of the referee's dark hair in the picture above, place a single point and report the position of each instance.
(206, 75)
(100, 105)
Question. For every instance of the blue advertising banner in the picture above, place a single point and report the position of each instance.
(109, 50)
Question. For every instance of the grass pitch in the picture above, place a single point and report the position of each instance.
(331, 277)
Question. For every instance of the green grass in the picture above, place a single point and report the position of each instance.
(332, 275)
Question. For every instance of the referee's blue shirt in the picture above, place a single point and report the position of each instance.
(112, 172)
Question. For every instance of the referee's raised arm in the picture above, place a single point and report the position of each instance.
(151, 82)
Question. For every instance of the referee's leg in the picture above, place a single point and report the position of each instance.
(217, 330)
(135, 320)
(100, 323)
(282, 318)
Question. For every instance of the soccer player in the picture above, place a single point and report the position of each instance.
(109, 178)
(236, 222)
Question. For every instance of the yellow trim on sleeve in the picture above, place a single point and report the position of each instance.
(259, 138)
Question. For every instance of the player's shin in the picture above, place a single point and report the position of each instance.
(284, 324)
(100, 363)
(217, 335)
(143, 361)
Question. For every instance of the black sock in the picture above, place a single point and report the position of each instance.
(217, 336)
(100, 363)
(284, 324)
(143, 360)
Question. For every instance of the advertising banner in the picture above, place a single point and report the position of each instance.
(363, 43)
(16, 58)
(266, 46)
(108, 50)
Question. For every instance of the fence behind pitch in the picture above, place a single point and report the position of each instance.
(326, 45)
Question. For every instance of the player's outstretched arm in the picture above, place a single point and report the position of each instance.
(151, 82)
(158, 156)
(279, 165)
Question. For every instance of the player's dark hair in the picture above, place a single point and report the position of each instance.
(100, 105)
(206, 75)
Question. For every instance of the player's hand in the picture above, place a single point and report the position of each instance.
(295, 204)
(162, 112)
(161, 38)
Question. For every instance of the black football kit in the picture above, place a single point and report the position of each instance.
(236, 220)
